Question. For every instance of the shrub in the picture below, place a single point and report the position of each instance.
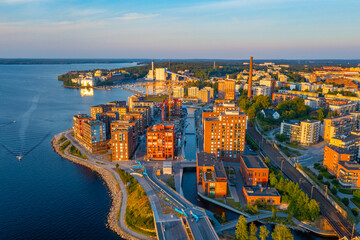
(355, 211)
(320, 177)
(335, 182)
(327, 183)
(357, 194)
(333, 190)
(316, 165)
(346, 191)
(345, 201)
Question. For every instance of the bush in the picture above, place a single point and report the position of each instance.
(327, 183)
(320, 177)
(333, 191)
(316, 165)
(355, 211)
(357, 194)
(345, 201)
(346, 191)
(335, 182)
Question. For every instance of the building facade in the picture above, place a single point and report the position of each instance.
(122, 143)
(226, 90)
(337, 126)
(161, 142)
(253, 170)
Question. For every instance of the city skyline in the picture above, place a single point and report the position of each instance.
(275, 29)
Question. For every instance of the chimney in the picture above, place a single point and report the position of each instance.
(250, 78)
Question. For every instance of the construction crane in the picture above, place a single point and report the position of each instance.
(147, 87)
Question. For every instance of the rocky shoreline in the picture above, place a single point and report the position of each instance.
(111, 183)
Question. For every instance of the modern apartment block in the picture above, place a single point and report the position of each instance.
(134, 126)
(94, 137)
(226, 90)
(99, 109)
(344, 109)
(337, 126)
(107, 118)
(145, 111)
(210, 90)
(122, 143)
(261, 90)
(78, 125)
(161, 142)
(253, 170)
(349, 142)
(204, 96)
(224, 135)
(341, 163)
(211, 175)
(193, 92)
(178, 92)
(138, 117)
(306, 132)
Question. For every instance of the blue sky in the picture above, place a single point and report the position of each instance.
(228, 29)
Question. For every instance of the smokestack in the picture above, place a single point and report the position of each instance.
(152, 68)
(250, 78)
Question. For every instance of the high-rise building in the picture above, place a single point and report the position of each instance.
(178, 92)
(204, 96)
(145, 110)
(161, 142)
(175, 107)
(94, 137)
(253, 170)
(193, 92)
(122, 144)
(261, 90)
(134, 126)
(161, 74)
(107, 118)
(99, 109)
(211, 91)
(225, 135)
(138, 117)
(211, 175)
(226, 90)
(78, 121)
(120, 110)
(337, 126)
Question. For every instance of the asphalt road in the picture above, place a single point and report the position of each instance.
(340, 224)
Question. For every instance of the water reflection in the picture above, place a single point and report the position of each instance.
(87, 92)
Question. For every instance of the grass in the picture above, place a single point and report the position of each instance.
(139, 215)
(76, 152)
(171, 182)
(295, 145)
(64, 145)
(289, 152)
(356, 201)
(62, 139)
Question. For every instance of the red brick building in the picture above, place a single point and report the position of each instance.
(253, 170)
(78, 122)
(122, 143)
(264, 195)
(161, 142)
(211, 175)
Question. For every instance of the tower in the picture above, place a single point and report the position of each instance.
(152, 67)
(250, 78)
(214, 65)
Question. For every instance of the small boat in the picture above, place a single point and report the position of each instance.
(19, 157)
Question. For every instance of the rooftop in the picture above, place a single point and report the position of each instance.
(209, 160)
(350, 165)
(347, 138)
(253, 161)
(257, 191)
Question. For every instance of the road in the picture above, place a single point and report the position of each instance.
(340, 224)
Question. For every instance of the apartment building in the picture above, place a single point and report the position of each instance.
(306, 132)
(134, 126)
(94, 136)
(174, 108)
(210, 90)
(145, 111)
(226, 90)
(178, 92)
(337, 126)
(78, 123)
(122, 143)
(224, 135)
(204, 96)
(211, 175)
(193, 92)
(107, 118)
(138, 117)
(349, 142)
(99, 109)
(261, 90)
(253, 170)
(161, 142)
(344, 109)
(279, 97)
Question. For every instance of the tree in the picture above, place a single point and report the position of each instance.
(345, 201)
(314, 209)
(223, 217)
(252, 232)
(357, 194)
(241, 229)
(264, 232)
(117, 165)
(320, 114)
(281, 232)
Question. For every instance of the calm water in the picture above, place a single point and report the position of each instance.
(45, 196)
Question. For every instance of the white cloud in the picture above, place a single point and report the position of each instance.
(135, 16)
(17, 1)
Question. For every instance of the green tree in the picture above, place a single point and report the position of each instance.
(251, 112)
(223, 217)
(345, 201)
(117, 165)
(314, 209)
(252, 232)
(264, 232)
(281, 232)
(241, 229)
(320, 114)
(357, 194)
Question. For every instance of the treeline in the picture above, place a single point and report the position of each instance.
(66, 78)
(300, 206)
(252, 108)
(294, 108)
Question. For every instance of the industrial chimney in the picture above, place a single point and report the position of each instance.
(250, 78)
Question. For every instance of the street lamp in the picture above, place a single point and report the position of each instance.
(312, 188)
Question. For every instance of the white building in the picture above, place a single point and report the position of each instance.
(261, 90)
(178, 92)
(161, 74)
(193, 92)
(87, 82)
(210, 90)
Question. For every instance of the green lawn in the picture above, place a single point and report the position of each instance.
(76, 152)
(289, 152)
(295, 145)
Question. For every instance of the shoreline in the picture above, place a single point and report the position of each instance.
(110, 182)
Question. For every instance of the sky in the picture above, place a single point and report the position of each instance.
(227, 29)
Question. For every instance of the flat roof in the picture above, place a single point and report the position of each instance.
(340, 150)
(257, 191)
(346, 138)
(350, 165)
(209, 160)
(253, 161)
